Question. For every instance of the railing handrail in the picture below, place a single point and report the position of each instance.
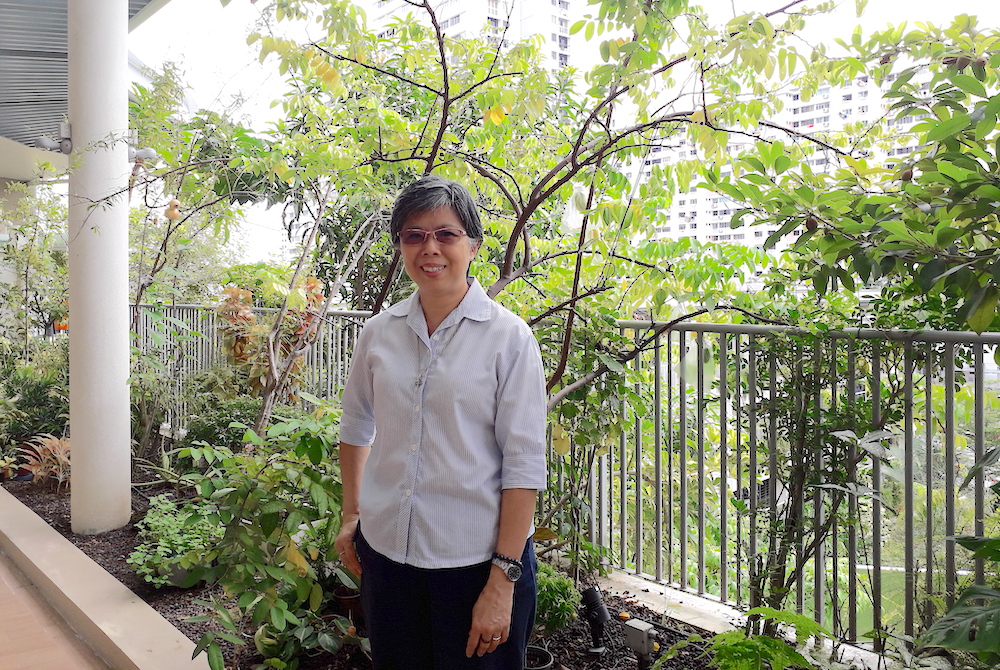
(896, 335)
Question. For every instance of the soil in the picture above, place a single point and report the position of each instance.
(569, 646)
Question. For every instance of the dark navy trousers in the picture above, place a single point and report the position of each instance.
(419, 619)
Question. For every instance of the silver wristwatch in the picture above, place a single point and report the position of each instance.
(511, 568)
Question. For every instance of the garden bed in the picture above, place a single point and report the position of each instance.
(568, 646)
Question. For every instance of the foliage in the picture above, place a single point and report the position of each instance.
(45, 457)
(558, 599)
(741, 650)
(248, 343)
(275, 560)
(221, 424)
(928, 223)
(973, 623)
(172, 539)
(261, 280)
(178, 251)
(39, 395)
(34, 296)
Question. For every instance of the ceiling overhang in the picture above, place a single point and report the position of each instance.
(34, 79)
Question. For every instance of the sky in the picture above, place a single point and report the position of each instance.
(208, 42)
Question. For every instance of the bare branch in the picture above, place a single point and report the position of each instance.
(552, 310)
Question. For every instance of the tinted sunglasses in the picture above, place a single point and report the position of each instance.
(413, 236)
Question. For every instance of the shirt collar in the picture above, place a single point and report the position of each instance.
(476, 305)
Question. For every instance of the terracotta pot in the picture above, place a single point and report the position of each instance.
(537, 658)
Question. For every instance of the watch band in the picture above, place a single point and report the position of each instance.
(508, 559)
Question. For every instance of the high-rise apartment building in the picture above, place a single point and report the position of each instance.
(504, 22)
(705, 215)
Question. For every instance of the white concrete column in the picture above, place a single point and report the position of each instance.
(98, 266)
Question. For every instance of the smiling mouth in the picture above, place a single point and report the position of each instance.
(432, 268)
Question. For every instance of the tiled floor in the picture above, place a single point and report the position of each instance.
(32, 635)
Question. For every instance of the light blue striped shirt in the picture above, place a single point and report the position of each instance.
(460, 416)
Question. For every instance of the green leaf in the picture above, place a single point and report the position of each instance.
(948, 127)
(930, 272)
(987, 548)
(969, 84)
(983, 315)
(315, 597)
(215, 660)
(329, 643)
(945, 234)
(989, 458)
(970, 627)
(611, 362)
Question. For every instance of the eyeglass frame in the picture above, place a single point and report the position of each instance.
(424, 234)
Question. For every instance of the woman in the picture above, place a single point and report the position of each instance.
(441, 454)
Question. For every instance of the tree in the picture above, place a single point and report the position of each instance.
(33, 294)
(928, 225)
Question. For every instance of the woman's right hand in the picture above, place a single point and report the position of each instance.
(344, 544)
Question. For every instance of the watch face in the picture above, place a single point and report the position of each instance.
(513, 573)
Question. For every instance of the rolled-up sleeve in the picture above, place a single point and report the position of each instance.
(357, 423)
(520, 417)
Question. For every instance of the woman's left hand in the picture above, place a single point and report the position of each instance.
(491, 615)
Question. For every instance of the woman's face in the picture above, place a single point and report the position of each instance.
(438, 269)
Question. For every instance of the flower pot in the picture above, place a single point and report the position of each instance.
(23, 475)
(537, 658)
(349, 603)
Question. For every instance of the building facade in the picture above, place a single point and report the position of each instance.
(504, 22)
(705, 215)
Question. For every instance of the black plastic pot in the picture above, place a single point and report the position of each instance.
(537, 658)
(349, 603)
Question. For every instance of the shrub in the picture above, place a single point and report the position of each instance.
(213, 425)
(174, 539)
(274, 501)
(47, 456)
(40, 400)
(558, 599)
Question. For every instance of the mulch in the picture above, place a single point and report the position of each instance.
(568, 646)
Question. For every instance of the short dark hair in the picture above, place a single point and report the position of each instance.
(433, 192)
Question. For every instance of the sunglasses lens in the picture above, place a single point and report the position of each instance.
(412, 237)
(447, 236)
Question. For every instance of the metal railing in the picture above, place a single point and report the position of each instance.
(689, 495)
(184, 339)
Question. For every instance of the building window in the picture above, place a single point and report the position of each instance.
(563, 60)
(563, 42)
(862, 94)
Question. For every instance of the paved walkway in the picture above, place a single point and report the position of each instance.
(32, 635)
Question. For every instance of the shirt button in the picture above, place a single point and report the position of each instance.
(413, 447)
(408, 492)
